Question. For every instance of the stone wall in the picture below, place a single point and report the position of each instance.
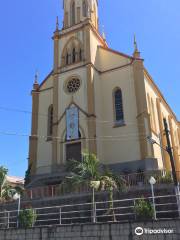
(114, 231)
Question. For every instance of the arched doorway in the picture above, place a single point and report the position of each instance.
(73, 149)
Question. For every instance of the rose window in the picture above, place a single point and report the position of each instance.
(73, 85)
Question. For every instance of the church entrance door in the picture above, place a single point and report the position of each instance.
(73, 151)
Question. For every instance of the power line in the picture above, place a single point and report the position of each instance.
(46, 115)
(125, 136)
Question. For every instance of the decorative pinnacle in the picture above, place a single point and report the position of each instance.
(57, 23)
(103, 33)
(36, 77)
(135, 44)
(136, 53)
(36, 85)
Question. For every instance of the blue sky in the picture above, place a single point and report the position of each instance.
(25, 45)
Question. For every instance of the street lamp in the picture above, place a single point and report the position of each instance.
(152, 182)
(168, 149)
(16, 197)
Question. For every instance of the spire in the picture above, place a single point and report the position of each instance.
(57, 23)
(103, 33)
(135, 43)
(36, 85)
(36, 77)
(136, 53)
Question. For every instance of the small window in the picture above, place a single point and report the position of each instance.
(67, 59)
(50, 121)
(80, 55)
(73, 13)
(118, 104)
(74, 55)
(84, 8)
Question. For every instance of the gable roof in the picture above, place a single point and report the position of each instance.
(119, 53)
(45, 79)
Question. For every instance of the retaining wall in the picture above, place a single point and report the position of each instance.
(114, 231)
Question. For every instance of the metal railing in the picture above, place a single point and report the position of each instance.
(130, 181)
(166, 207)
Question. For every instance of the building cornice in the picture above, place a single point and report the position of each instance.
(84, 65)
(79, 27)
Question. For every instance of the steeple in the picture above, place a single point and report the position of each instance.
(136, 53)
(76, 12)
(57, 24)
(36, 85)
(103, 34)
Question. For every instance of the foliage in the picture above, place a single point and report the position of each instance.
(3, 173)
(110, 180)
(6, 191)
(88, 171)
(144, 209)
(27, 218)
(27, 175)
(167, 178)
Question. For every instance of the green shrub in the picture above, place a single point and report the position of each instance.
(27, 218)
(166, 178)
(144, 209)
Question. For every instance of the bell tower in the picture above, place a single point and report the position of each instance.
(77, 11)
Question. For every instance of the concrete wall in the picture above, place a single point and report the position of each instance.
(116, 231)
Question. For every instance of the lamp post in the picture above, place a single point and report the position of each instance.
(168, 149)
(94, 185)
(152, 182)
(17, 196)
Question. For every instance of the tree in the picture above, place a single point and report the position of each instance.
(28, 175)
(3, 173)
(89, 171)
(6, 191)
(110, 182)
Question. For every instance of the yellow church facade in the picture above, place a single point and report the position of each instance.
(97, 99)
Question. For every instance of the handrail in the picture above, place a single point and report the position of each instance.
(69, 214)
(129, 180)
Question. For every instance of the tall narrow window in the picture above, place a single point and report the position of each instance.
(73, 13)
(50, 122)
(118, 104)
(84, 8)
(80, 55)
(67, 59)
(153, 115)
(74, 55)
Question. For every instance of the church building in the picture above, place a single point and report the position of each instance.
(97, 99)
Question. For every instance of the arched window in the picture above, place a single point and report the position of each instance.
(73, 13)
(74, 55)
(67, 59)
(84, 8)
(50, 121)
(72, 52)
(118, 105)
(80, 55)
(153, 115)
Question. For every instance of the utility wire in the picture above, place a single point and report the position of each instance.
(125, 136)
(46, 115)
